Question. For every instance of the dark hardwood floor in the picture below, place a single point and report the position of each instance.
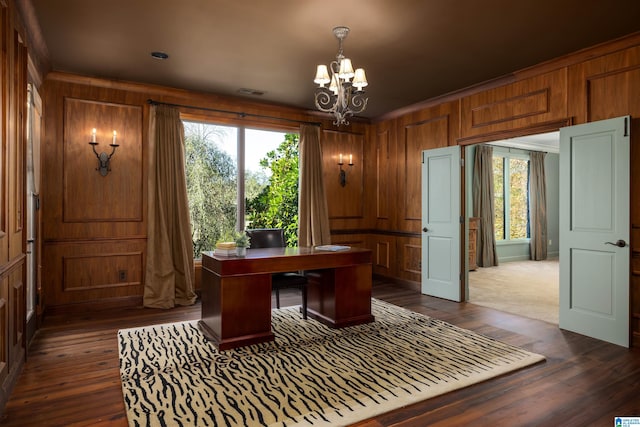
(71, 376)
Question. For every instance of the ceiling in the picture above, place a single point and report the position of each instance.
(412, 50)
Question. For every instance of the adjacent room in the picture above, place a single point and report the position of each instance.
(519, 283)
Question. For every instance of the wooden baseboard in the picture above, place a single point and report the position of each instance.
(10, 382)
(407, 284)
(106, 304)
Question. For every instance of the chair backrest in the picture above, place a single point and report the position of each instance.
(266, 238)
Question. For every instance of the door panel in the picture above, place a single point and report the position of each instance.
(588, 266)
(594, 215)
(441, 223)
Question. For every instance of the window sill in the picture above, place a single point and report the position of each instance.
(512, 242)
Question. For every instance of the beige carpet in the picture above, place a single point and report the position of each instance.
(526, 288)
(310, 375)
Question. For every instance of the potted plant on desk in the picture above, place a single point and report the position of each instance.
(242, 243)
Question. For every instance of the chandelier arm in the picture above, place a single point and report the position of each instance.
(358, 103)
(324, 100)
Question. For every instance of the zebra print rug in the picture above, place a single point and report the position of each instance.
(310, 375)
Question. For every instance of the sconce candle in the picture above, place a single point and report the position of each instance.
(103, 158)
(343, 174)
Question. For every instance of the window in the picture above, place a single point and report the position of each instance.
(238, 178)
(511, 196)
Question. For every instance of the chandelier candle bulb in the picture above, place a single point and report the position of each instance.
(93, 135)
(350, 160)
(114, 137)
(322, 76)
(360, 79)
(346, 69)
(340, 159)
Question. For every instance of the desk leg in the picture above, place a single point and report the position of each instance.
(236, 311)
(340, 297)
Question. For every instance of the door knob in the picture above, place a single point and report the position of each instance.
(620, 243)
(425, 229)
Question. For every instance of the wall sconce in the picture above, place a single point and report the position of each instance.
(103, 158)
(343, 173)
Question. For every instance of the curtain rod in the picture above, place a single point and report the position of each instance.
(237, 113)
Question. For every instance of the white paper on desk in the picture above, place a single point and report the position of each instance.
(333, 248)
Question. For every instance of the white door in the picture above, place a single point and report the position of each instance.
(441, 223)
(594, 229)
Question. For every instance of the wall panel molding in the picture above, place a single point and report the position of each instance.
(87, 195)
(412, 256)
(423, 135)
(383, 255)
(344, 202)
(98, 270)
(598, 87)
(80, 272)
(516, 105)
(384, 176)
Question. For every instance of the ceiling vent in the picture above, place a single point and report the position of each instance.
(251, 92)
(159, 55)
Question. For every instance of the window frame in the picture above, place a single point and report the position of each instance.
(242, 126)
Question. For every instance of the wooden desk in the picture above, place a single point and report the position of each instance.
(236, 291)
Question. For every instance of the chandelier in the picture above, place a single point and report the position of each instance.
(345, 95)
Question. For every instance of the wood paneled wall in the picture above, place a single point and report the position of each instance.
(13, 78)
(396, 147)
(95, 227)
(594, 84)
(379, 207)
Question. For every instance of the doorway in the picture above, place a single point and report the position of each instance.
(519, 285)
(33, 256)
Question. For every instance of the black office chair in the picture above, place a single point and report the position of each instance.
(274, 238)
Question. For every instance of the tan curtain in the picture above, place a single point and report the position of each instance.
(483, 205)
(537, 207)
(313, 215)
(169, 279)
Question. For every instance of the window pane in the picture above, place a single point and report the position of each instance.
(261, 145)
(518, 198)
(276, 202)
(211, 170)
(498, 196)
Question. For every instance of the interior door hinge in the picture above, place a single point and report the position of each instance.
(462, 162)
(626, 126)
(461, 220)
